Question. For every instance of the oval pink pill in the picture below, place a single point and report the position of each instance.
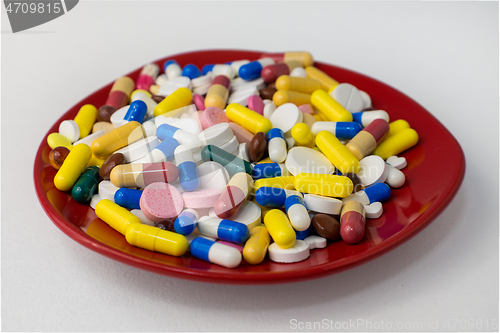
(199, 101)
(256, 104)
(306, 108)
(161, 201)
(204, 198)
(212, 116)
(242, 134)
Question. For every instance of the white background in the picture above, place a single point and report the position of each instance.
(443, 55)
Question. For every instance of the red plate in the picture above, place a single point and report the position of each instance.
(435, 171)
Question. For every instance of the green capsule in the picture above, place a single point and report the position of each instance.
(233, 164)
(86, 185)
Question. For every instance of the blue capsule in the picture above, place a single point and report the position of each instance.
(191, 71)
(186, 222)
(272, 196)
(136, 111)
(301, 235)
(269, 170)
(276, 145)
(207, 68)
(297, 212)
(188, 171)
(347, 130)
(378, 192)
(211, 251)
(366, 117)
(227, 230)
(167, 63)
(250, 71)
(128, 198)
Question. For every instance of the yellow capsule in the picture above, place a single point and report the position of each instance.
(85, 119)
(397, 143)
(302, 135)
(305, 58)
(397, 126)
(58, 140)
(178, 99)
(283, 96)
(285, 182)
(121, 137)
(256, 246)
(117, 217)
(336, 152)
(330, 107)
(326, 81)
(279, 228)
(140, 90)
(156, 239)
(72, 167)
(326, 185)
(298, 84)
(95, 161)
(250, 120)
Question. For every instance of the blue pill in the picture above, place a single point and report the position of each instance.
(347, 130)
(167, 148)
(206, 69)
(270, 196)
(250, 71)
(185, 223)
(301, 235)
(267, 170)
(378, 192)
(167, 63)
(191, 71)
(188, 175)
(136, 111)
(128, 198)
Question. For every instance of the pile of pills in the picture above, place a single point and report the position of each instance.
(234, 161)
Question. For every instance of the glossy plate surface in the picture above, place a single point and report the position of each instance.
(427, 192)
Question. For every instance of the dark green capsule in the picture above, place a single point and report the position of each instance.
(86, 185)
(233, 164)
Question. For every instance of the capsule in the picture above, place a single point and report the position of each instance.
(302, 135)
(86, 185)
(233, 195)
(279, 228)
(85, 119)
(326, 185)
(276, 145)
(365, 141)
(284, 182)
(120, 92)
(215, 253)
(186, 222)
(271, 72)
(301, 235)
(326, 81)
(397, 126)
(366, 117)
(303, 57)
(342, 130)
(172, 69)
(180, 98)
(136, 111)
(155, 239)
(397, 143)
(128, 198)
(143, 174)
(269, 170)
(226, 230)
(117, 217)
(250, 120)
(298, 84)
(352, 222)
(165, 131)
(142, 95)
(191, 71)
(297, 212)
(58, 140)
(330, 107)
(147, 76)
(337, 153)
(273, 196)
(72, 167)
(376, 193)
(281, 97)
(161, 153)
(233, 164)
(219, 69)
(121, 137)
(218, 92)
(256, 246)
(188, 171)
(252, 70)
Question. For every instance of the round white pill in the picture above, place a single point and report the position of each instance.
(307, 160)
(298, 252)
(366, 99)
(286, 116)
(372, 170)
(106, 190)
(216, 135)
(349, 97)
(269, 109)
(315, 242)
(201, 81)
(117, 117)
(70, 129)
(212, 175)
(321, 204)
(298, 72)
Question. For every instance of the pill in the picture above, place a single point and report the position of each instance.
(233, 164)
(104, 126)
(217, 135)
(258, 147)
(286, 116)
(256, 246)
(70, 130)
(374, 210)
(326, 81)
(147, 76)
(161, 201)
(307, 160)
(90, 138)
(215, 252)
(218, 92)
(342, 130)
(139, 149)
(397, 162)
(356, 182)
(106, 190)
(281, 97)
(116, 217)
(303, 57)
(269, 110)
(279, 228)
(284, 182)
(72, 167)
(298, 84)
(118, 117)
(212, 116)
(269, 170)
(267, 93)
(183, 137)
(178, 99)
(302, 135)
(86, 185)
(365, 141)
(256, 104)
(273, 196)
(326, 226)
(304, 233)
(306, 108)
(191, 71)
(233, 196)
(298, 72)
(143, 174)
(327, 185)
(171, 86)
(395, 178)
(141, 216)
(212, 175)
(188, 172)
(105, 112)
(366, 117)
(253, 69)
(136, 111)
(94, 200)
(237, 64)
(397, 143)
(163, 152)
(242, 134)
(321, 204)
(315, 242)
(372, 170)
(248, 119)
(348, 96)
(297, 252)
(352, 222)
(186, 222)
(297, 212)
(160, 79)
(203, 198)
(57, 156)
(271, 72)
(222, 229)
(199, 101)
(155, 239)
(276, 145)
(58, 140)
(330, 107)
(128, 198)
(121, 137)
(308, 119)
(172, 69)
(95, 161)
(396, 127)
(85, 119)
(120, 92)
(244, 152)
(336, 152)
(378, 192)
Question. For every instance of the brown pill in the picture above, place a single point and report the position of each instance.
(258, 147)
(267, 93)
(272, 85)
(157, 98)
(358, 186)
(57, 156)
(326, 226)
(110, 163)
(105, 112)
(167, 224)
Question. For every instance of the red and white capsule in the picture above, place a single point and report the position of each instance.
(366, 140)
(147, 77)
(271, 72)
(352, 222)
(218, 92)
(234, 195)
